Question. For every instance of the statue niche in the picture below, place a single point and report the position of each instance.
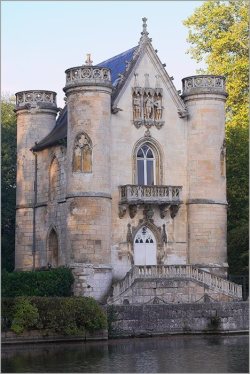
(147, 107)
(82, 154)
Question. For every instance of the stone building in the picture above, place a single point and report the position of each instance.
(130, 174)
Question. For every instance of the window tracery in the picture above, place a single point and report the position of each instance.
(54, 179)
(82, 156)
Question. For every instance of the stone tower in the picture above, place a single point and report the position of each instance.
(36, 116)
(88, 192)
(205, 98)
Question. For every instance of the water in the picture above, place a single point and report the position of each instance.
(171, 354)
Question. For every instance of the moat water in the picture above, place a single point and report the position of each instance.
(170, 354)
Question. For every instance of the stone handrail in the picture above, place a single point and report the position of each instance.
(87, 75)
(35, 96)
(132, 193)
(203, 83)
(189, 272)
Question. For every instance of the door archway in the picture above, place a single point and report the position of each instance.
(145, 247)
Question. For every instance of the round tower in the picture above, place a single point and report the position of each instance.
(205, 98)
(88, 91)
(36, 115)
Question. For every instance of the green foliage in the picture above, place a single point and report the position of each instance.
(8, 176)
(68, 315)
(53, 282)
(218, 33)
(238, 242)
(25, 316)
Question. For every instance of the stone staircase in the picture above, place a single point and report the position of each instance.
(172, 284)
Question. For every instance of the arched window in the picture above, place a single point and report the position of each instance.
(54, 179)
(82, 156)
(223, 159)
(52, 247)
(145, 165)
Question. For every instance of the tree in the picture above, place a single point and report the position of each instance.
(8, 153)
(218, 34)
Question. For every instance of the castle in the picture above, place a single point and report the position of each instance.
(129, 174)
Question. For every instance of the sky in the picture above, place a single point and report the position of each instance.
(41, 39)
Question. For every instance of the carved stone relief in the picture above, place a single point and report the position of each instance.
(174, 210)
(82, 154)
(132, 210)
(147, 105)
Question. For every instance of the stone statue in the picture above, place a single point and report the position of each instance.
(158, 109)
(137, 106)
(148, 108)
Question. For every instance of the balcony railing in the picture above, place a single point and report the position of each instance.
(134, 194)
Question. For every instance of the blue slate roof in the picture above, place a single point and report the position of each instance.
(117, 65)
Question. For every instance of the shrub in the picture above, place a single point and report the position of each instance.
(63, 315)
(25, 316)
(53, 282)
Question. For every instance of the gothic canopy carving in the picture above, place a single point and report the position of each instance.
(147, 104)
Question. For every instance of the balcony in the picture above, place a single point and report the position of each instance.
(163, 196)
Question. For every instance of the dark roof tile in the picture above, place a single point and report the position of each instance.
(117, 65)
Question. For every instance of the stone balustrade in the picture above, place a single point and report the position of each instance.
(34, 97)
(87, 75)
(203, 84)
(187, 272)
(149, 194)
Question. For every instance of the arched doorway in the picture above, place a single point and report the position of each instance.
(52, 246)
(145, 247)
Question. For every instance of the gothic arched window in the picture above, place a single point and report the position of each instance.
(145, 165)
(82, 156)
(54, 179)
(52, 247)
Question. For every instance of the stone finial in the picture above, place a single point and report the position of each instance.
(144, 34)
(144, 27)
(88, 59)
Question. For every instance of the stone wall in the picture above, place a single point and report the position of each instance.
(175, 291)
(150, 320)
(35, 336)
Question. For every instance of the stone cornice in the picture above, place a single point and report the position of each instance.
(206, 201)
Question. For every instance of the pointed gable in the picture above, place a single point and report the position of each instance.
(121, 66)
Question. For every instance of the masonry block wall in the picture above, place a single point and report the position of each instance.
(80, 199)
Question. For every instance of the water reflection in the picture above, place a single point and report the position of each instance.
(172, 354)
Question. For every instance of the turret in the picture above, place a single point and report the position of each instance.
(205, 98)
(88, 91)
(36, 115)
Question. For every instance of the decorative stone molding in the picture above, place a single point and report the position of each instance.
(122, 210)
(182, 112)
(174, 210)
(203, 84)
(164, 209)
(132, 210)
(92, 75)
(148, 213)
(33, 98)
